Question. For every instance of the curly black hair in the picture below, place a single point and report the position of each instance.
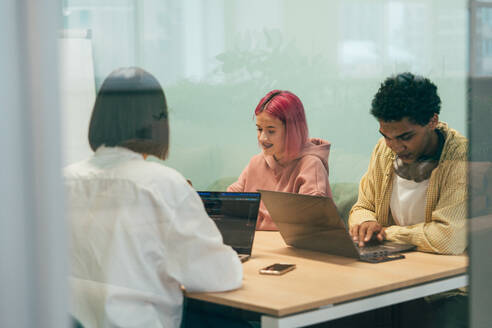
(406, 95)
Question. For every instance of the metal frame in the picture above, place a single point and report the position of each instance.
(474, 6)
(335, 311)
(479, 229)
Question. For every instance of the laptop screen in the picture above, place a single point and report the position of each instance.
(235, 214)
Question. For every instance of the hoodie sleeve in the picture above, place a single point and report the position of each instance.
(313, 178)
(240, 184)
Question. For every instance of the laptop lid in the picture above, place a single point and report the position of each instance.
(235, 214)
(312, 222)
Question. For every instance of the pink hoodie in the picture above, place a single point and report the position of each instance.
(305, 174)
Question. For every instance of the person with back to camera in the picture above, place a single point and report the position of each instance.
(139, 231)
(289, 161)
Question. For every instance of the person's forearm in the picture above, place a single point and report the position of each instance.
(431, 237)
(359, 215)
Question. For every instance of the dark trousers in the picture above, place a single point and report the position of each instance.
(198, 314)
(449, 311)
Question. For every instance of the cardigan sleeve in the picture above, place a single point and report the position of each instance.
(365, 209)
(446, 232)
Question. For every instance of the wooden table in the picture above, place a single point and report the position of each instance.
(325, 287)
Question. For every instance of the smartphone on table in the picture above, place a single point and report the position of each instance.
(277, 268)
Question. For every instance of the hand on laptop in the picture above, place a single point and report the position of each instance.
(364, 232)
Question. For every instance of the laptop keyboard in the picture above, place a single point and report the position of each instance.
(371, 250)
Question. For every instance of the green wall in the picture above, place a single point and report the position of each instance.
(216, 59)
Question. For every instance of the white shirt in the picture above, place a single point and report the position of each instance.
(408, 199)
(138, 232)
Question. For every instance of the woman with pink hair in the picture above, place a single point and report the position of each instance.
(289, 161)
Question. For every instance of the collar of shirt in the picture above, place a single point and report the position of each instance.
(109, 154)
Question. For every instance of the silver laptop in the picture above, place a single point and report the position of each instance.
(235, 215)
(313, 222)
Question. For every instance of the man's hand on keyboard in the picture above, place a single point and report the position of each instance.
(364, 232)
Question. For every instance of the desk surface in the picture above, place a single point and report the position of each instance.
(321, 279)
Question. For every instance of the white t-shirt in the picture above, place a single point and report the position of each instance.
(139, 232)
(408, 200)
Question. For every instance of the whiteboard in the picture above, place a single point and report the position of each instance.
(78, 93)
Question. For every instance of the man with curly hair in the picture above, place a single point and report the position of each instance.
(414, 190)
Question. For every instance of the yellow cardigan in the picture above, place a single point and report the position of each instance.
(444, 229)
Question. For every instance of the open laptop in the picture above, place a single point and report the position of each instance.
(235, 214)
(313, 222)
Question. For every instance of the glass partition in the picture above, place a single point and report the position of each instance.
(217, 58)
(480, 173)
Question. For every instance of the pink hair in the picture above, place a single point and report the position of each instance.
(287, 107)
